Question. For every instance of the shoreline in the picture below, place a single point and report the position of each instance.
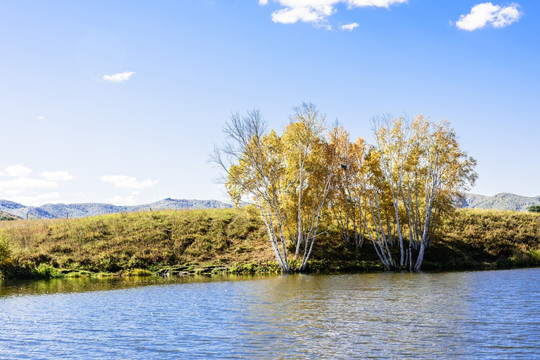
(183, 271)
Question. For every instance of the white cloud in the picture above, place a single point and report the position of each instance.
(19, 185)
(128, 182)
(487, 13)
(119, 77)
(317, 11)
(374, 3)
(22, 188)
(37, 200)
(27, 190)
(17, 171)
(41, 117)
(118, 200)
(349, 27)
(313, 14)
(56, 175)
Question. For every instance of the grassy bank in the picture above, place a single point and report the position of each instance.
(229, 240)
(486, 239)
(194, 241)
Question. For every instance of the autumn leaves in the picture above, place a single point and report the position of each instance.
(392, 193)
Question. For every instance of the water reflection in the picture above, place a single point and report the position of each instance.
(381, 315)
(86, 284)
(449, 315)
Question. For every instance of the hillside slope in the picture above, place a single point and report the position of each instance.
(232, 239)
(502, 201)
(5, 216)
(154, 240)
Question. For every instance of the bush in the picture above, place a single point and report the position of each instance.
(5, 251)
(535, 208)
(140, 272)
(108, 263)
(45, 271)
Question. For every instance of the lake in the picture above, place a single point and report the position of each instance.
(489, 315)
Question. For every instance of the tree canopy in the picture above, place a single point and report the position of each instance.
(392, 192)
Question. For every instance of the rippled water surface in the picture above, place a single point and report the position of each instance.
(491, 315)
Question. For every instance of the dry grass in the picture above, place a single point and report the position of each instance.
(139, 240)
(487, 238)
(231, 238)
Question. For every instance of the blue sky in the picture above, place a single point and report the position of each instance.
(123, 101)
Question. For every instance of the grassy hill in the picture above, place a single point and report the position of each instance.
(486, 239)
(4, 216)
(502, 201)
(188, 240)
(213, 240)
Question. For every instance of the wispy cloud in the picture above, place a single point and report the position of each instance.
(17, 170)
(373, 3)
(485, 14)
(41, 117)
(128, 182)
(37, 200)
(119, 200)
(349, 27)
(19, 183)
(119, 77)
(310, 14)
(56, 175)
(318, 11)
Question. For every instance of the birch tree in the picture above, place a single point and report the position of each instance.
(393, 192)
(287, 177)
(449, 171)
(376, 209)
(425, 173)
(345, 198)
(309, 175)
(254, 166)
(392, 142)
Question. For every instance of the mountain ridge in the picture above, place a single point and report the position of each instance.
(79, 210)
(501, 201)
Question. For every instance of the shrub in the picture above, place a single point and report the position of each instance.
(534, 208)
(46, 272)
(108, 263)
(140, 272)
(5, 251)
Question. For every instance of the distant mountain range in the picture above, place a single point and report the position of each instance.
(502, 201)
(56, 211)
